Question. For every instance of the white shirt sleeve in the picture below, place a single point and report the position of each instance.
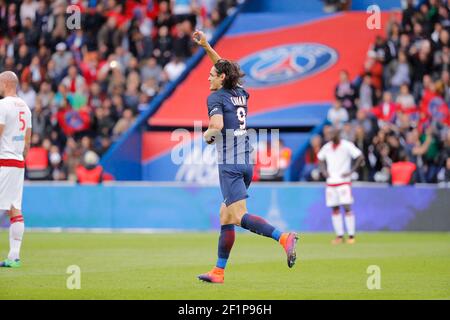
(321, 154)
(2, 114)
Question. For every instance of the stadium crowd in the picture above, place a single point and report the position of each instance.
(85, 85)
(397, 109)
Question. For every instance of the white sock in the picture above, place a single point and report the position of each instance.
(338, 224)
(350, 223)
(16, 231)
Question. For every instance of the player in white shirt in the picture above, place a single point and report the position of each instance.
(336, 166)
(15, 135)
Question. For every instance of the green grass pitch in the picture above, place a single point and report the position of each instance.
(164, 266)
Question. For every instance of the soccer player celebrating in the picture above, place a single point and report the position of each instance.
(335, 164)
(227, 109)
(15, 134)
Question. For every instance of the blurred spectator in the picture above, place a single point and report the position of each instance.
(416, 149)
(347, 132)
(337, 115)
(310, 170)
(393, 143)
(149, 89)
(208, 28)
(174, 68)
(374, 67)
(34, 73)
(103, 144)
(27, 93)
(184, 9)
(89, 172)
(402, 171)
(58, 171)
(386, 111)
(431, 156)
(37, 161)
(327, 133)
(393, 41)
(383, 174)
(28, 10)
(151, 70)
(345, 92)
(61, 59)
(421, 65)
(366, 94)
(123, 124)
(23, 58)
(164, 18)
(378, 50)
(405, 100)
(272, 160)
(13, 20)
(182, 44)
(163, 46)
(368, 123)
(398, 72)
(362, 143)
(40, 119)
(74, 81)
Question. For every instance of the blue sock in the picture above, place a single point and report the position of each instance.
(260, 226)
(226, 241)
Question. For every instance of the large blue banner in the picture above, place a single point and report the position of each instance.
(192, 207)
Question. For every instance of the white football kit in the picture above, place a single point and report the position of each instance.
(338, 159)
(15, 115)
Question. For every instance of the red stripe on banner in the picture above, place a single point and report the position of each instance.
(339, 184)
(12, 163)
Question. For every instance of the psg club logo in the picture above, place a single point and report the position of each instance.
(74, 120)
(286, 63)
(438, 109)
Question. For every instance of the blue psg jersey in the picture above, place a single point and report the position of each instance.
(233, 147)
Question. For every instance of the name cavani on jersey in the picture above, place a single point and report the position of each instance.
(239, 101)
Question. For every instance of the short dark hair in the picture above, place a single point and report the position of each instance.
(232, 71)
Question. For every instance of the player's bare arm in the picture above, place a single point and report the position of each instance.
(2, 127)
(214, 128)
(359, 162)
(323, 169)
(27, 142)
(200, 38)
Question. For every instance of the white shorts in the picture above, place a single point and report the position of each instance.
(339, 195)
(11, 187)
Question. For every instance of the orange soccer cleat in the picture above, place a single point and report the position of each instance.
(337, 240)
(289, 241)
(216, 275)
(350, 240)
